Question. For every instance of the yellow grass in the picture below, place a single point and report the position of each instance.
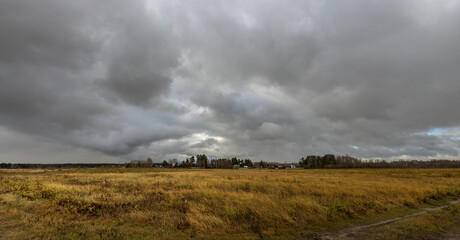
(209, 204)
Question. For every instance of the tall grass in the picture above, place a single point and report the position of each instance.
(171, 204)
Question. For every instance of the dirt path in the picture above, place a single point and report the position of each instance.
(451, 236)
(353, 232)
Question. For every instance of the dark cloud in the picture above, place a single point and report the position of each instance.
(267, 80)
(66, 69)
(141, 53)
(47, 33)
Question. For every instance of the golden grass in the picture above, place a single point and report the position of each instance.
(209, 204)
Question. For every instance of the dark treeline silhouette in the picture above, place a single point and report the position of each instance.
(202, 161)
(331, 161)
(140, 163)
(58, 165)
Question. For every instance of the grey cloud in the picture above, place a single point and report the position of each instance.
(262, 79)
(65, 67)
(137, 87)
(141, 54)
(205, 143)
(240, 41)
(46, 33)
(267, 131)
(19, 148)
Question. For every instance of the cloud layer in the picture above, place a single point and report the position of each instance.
(272, 80)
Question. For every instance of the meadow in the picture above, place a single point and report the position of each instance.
(210, 203)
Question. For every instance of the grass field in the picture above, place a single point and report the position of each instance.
(443, 224)
(210, 204)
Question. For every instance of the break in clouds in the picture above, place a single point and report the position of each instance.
(108, 81)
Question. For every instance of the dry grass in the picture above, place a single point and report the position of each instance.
(204, 204)
(434, 225)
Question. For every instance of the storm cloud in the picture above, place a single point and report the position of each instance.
(105, 81)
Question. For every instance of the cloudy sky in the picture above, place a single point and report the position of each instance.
(109, 81)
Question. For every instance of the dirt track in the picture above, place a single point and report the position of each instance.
(354, 232)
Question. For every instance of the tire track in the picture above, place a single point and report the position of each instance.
(353, 232)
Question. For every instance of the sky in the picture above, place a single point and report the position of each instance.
(109, 81)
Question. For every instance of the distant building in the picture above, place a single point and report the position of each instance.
(274, 165)
(289, 165)
(260, 164)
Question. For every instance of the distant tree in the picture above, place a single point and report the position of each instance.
(172, 161)
(5, 165)
(235, 161)
(222, 163)
(186, 163)
(263, 164)
(149, 162)
(165, 164)
(303, 162)
(329, 159)
(248, 162)
(202, 161)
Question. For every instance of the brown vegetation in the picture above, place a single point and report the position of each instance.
(174, 203)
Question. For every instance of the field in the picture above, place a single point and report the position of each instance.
(214, 204)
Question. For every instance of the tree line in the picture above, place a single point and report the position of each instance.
(331, 161)
(58, 165)
(202, 161)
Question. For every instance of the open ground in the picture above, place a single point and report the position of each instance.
(222, 204)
